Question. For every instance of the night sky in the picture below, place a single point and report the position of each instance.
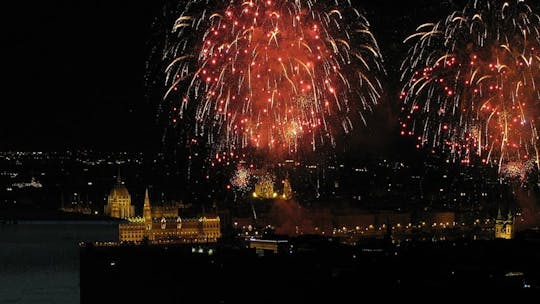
(75, 73)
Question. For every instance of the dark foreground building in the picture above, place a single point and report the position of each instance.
(310, 269)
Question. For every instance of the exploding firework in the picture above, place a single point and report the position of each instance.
(472, 83)
(517, 170)
(275, 74)
(241, 180)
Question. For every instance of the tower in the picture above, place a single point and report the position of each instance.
(509, 226)
(147, 211)
(287, 189)
(504, 228)
(119, 201)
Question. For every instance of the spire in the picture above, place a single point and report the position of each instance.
(499, 215)
(118, 178)
(287, 189)
(147, 211)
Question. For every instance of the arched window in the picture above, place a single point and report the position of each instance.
(163, 223)
(178, 223)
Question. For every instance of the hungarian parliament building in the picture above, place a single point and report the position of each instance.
(159, 224)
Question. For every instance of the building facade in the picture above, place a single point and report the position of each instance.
(504, 228)
(264, 189)
(167, 210)
(119, 202)
(169, 229)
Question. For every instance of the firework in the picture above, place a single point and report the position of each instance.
(472, 83)
(517, 170)
(241, 180)
(273, 74)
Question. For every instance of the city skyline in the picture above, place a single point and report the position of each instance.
(276, 151)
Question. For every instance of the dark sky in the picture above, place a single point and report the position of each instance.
(74, 74)
(75, 71)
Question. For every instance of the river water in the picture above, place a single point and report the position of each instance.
(39, 261)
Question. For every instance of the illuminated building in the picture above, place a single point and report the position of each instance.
(33, 183)
(168, 210)
(119, 202)
(78, 208)
(264, 188)
(504, 228)
(287, 190)
(169, 229)
(270, 246)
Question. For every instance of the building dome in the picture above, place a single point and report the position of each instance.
(119, 202)
(119, 191)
